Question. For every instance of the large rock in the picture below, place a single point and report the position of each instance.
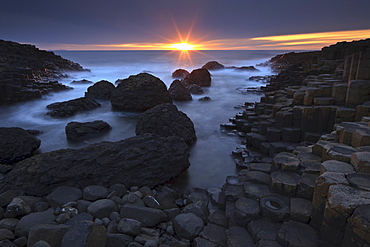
(166, 120)
(201, 77)
(16, 144)
(296, 234)
(179, 92)
(187, 225)
(139, 93)
(148, 217)
(180, 73)
(213, 65)
(85, 233)
(138, 161)
(102, 90)
(71, 107)
(76, 131)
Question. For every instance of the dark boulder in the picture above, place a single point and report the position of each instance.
(195, 89)
(83, 81)
(139, 93)
(246, 68)
(145, 160)
(76, 131)
(16, 144)
(201, 77)
(102, 90)
(213, 65)
(179, 92)
(71, 107)
(180, 73)
(166, 120)
(205, 98)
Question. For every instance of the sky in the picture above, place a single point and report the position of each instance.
(204, 24)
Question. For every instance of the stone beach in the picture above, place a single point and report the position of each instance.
(303, 168)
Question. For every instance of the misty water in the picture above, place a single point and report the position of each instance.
(210, 158)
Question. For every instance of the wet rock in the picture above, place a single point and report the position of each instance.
(9, 223)
(142, 160)
(256, 191)
(17, 207)
(246, 68)
(139, 93)
(148, 217)
(32, 219)
(16, 144)
(297, 234)
(52, 234)
(83, 81)
(180, 73)
(275, 207)
(213, 65)
(166, 120)
(179, 92)
(76, 131)
(102, 90)
(102, 208)
(257, 177)
(151, 202)
(238, 236)
(71, 107)
(195, 89)
(129, 226)
(188, 225)
(79, 217)
(62, 195)
(359, 180)
(263, 229)
(85, 233)
(286, 161)
(201, 77)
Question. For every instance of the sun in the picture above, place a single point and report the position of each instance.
(182, 46)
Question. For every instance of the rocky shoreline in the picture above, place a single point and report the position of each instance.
(303, 172)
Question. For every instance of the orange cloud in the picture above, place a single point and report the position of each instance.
(308, 41)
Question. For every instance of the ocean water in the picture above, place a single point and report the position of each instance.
(210, 157)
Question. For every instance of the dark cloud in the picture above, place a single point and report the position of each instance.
(125, 21)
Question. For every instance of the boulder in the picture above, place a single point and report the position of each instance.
(102, 90)
(195, 89)
(85, 233)
(138, 161)
(180, 73)
(166, 120)
(102, 208)
(24, 225)
(71, 107)
(201, 77)
(76, 131)
(139, 93)
(62, 195)
(179, 92)
(95, 192)
(246, 68)
(148, 217)
(16, 144)
(187, 225)
(52, 234)
(213, 65)
(296, 234)
(83, 81)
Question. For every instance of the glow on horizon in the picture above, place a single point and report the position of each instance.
(307, 41)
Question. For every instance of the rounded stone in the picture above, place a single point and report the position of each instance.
(94, 192)
(102, 208)
(336, 166)
(129, 226)
(187, 225)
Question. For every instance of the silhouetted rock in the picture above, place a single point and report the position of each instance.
(179, 92)
(206, 98)
(180, 73)
(246, 68)
(102, 90)
(213, 65)
(201, 77)
(138, 161)
(139, 93)
(83, 81)
(16, 144)
(25, 69)
(71, 107)
(195, 89)
(166, 120)
(77, 131)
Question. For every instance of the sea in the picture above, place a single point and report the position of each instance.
(210, 157)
